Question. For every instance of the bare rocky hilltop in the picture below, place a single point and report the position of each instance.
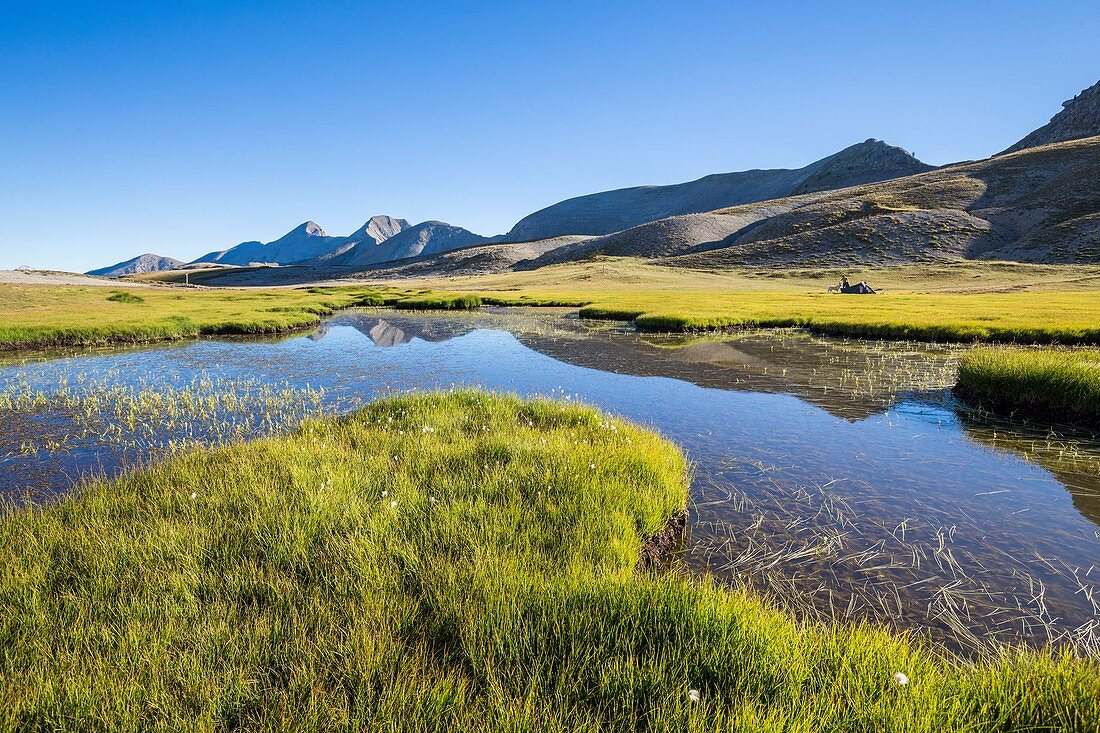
(1080, 117)
(138, 265)
(613, 211)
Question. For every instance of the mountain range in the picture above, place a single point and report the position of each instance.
(872, 202)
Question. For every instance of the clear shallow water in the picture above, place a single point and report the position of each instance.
(841, 477)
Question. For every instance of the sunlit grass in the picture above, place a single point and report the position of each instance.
(438, 301)
(149, 414)
(438, 562)
(37, 316)
(971, 301)
(1062, 386)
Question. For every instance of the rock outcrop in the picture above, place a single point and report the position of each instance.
(1079, 118)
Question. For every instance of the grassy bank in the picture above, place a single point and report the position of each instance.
(442, 562)
(1061, 386)
(993, 302)
(973, 301)
(1069, 318)
(37, 316)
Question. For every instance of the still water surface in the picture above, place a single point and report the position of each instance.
(840, 477)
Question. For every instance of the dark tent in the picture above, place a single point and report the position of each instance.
(860, 288)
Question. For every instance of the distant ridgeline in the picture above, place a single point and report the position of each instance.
(871, 203)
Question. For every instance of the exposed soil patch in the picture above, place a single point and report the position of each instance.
(658, 547)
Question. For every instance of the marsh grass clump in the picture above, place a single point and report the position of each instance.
(1060, 386)
(453, 561)
(153, 414)
(124, 297)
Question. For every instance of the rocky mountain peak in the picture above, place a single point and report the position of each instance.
(380, 228)
(1080, 117)
(866, 162)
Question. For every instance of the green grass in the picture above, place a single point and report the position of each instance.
(38, 317)
(443, 562)
(1058, 385)
(124, 297)
(972, 301)
(1068, 318)
(964, 302)
(438, 301)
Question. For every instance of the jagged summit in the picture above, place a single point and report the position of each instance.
(378, 240)
(426, 238)
(1080, 117)
(379, 228)
(310, 228)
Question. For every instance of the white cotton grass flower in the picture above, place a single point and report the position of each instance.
(693, 695)
(592, 465)
(901, 678)
(385, 493)
(194, 495)
(393, 505)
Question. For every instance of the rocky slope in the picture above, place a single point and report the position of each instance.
(1079, 118)
(1037, 205)
(613, 211)
(426, 238)
(142, 263)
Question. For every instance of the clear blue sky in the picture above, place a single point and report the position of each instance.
(179, 128)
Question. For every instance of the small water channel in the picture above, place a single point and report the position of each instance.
(840, 477)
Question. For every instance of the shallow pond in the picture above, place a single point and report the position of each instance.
(841, 477)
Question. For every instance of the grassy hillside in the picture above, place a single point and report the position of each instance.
(443, 562)
(1036, 205)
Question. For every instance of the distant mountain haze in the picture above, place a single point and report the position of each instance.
(142, 263)
(426, 238)
(307, 241)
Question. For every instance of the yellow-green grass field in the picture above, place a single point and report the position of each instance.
(972, 301)
(997, 302)
(445, 562)
(34, 316)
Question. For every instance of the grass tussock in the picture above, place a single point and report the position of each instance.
(1057, 385)
(124, 297)
(443, 562)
